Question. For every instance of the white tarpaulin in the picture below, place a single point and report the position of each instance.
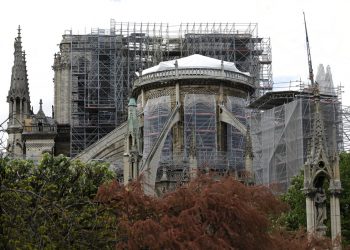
(193, 61)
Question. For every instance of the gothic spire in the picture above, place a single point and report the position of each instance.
(318, 149)
(318, 145)
(19, 79)
(41, 114)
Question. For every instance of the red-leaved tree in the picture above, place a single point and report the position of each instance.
(205, 214)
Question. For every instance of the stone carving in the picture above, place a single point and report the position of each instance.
(321, 210)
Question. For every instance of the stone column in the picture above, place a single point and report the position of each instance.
(69, 94)
(248, 164)
(55, 90)
(25, 108)
(64, 98)
(14, 111)
(11, 108)
(220, 128)
(143, 101)
(193, 165)
(335, 220)
(177, 93)
(126, 169)
(310, 213)
(20, 111)
(126, 160)
(248, 157)
(178, 128)
(221, 94)
(58, 103)
(66, 94)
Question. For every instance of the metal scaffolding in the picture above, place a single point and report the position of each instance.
(201, 133)
(200, 123)
(93, 79)
(104, 62)
(346, 127)
(142, 45)
(281, 134)
(3, 139)
(156, 113)
(236, 143)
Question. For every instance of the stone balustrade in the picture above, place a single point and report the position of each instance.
(39, 129)
(195, 73)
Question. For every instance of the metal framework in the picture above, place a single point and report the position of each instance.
(3, 139)
(156, 113)
(104, 62)
(201, 128)
(142, 45)
(200, 123)
(346, 127)
(281, 133)
(94, 96)
(236, 144)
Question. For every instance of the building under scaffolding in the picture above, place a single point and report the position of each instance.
(191, 118)
(281, 128)
(104, 65)
(94, 75)
(214, 125)
(96, 71)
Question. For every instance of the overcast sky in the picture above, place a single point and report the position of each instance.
(43, 22)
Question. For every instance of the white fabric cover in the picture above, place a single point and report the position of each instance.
(193, 61)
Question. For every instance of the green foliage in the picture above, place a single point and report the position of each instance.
(345, 196)
(51, 205)
(295, 218)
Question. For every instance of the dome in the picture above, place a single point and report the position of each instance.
(194, 61)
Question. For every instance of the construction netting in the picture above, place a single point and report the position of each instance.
(280, 138)
(235, 139)
(200, 123)
(156, 113)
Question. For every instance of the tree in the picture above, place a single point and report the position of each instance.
(344, 165)
(51, 205)
(67, 204)
(295, 217)
(205, 214)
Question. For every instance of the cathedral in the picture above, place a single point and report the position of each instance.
(186, 115)
(96, 74)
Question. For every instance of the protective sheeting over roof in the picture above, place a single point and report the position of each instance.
(193, 61)
(325, 81)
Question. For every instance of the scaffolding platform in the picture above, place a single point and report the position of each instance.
(277, 98)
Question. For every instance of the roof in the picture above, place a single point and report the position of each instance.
(193, 61)
(277, 98)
